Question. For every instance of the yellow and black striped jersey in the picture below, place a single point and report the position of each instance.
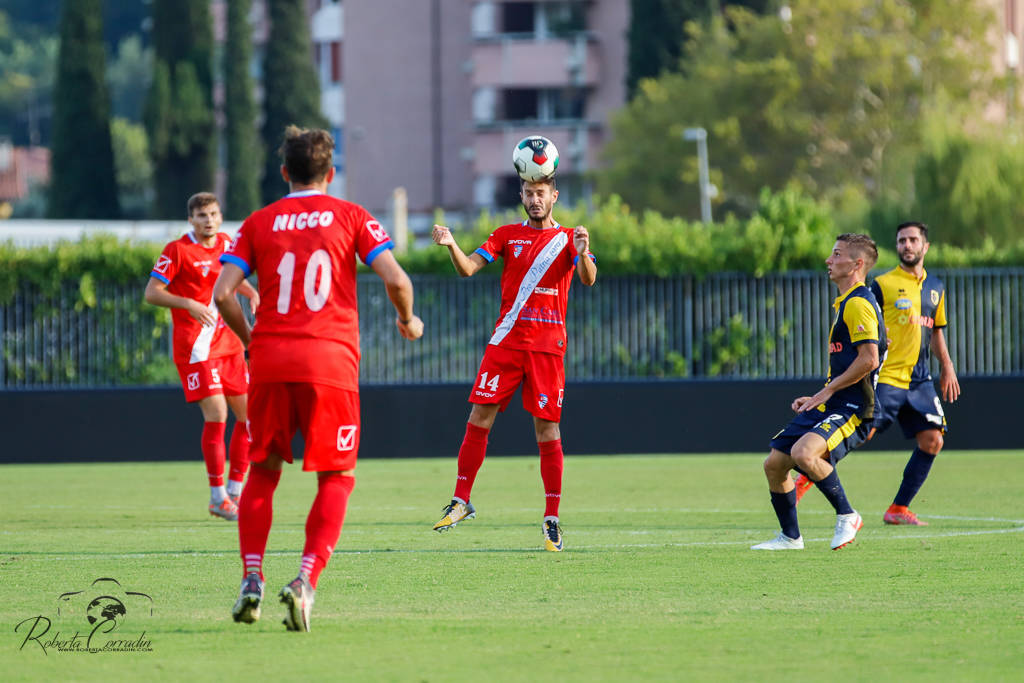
(912, 308)
(858, 321)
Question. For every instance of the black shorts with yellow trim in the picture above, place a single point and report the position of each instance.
(916, 409)
(840, 426)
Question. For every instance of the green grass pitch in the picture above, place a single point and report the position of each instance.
(656, 583)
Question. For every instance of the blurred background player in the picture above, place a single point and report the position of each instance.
(304, 353)
(210, 358)
(914, 305)
(835, 420)
(528, 344)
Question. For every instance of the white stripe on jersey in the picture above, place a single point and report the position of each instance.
(201, 347)
(537, 269)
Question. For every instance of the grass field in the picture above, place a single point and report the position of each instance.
(656, 583)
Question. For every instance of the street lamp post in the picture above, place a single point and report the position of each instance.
(701, 136)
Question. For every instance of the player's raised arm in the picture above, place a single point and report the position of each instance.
(464, 265)
(399, 288)
(585, 266)
(231, 276)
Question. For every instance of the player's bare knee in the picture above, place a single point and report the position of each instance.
(931, 441)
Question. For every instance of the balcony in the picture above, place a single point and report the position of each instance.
(511, 61)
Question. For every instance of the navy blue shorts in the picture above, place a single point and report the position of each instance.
(916, 409)
(839, 425)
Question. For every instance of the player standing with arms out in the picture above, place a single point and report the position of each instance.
(209, 356)
(528, 344)
(304, 352)
(914, 305)
(835, 420)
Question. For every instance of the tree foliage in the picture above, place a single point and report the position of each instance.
(826, 99)
(178, 110)
(82, 182)
(244, 157)
(657, 33)
(291, 89)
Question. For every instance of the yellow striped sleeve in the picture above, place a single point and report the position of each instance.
(861, 321)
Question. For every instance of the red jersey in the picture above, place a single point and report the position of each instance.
(189, 269)
(303, 249)
(535, 280)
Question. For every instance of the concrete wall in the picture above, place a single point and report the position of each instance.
(413, 421)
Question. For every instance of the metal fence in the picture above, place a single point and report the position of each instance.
(725, 326)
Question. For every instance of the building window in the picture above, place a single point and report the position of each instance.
(518, 17)
(543, 19)
(544, 105)
(335, 61)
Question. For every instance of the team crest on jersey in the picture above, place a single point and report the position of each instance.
(162, 263)
(935, 298)
(517, 250)
(203, 266)
(542, 401)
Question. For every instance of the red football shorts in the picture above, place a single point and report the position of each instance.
(228, 375)
(503, 370)
(327, 417)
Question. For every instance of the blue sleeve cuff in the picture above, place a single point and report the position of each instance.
(576, 258)
(485, 254)
(377, 250)
(160, 277)
(235, 261)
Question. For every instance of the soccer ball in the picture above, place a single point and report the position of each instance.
(535, 158)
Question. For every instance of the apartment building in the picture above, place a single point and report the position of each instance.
(431, 95)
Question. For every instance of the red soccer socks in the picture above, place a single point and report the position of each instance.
(213, 451)
(551, 466)
(323, 526)
(255, 515)
(471, 457)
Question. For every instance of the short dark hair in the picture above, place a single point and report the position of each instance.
(550, 180)
(307, 154)
(914, 224)
(863, 246)
(201, 199)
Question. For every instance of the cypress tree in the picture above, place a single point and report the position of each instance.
(291, 89)
(179, 112)
(244, 158)
(82, 183)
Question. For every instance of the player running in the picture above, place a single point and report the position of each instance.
(209, 357)
(835, 420)
(528, 343)
(914, 305)
(304, 351)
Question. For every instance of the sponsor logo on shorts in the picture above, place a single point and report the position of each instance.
(347, 437)
(542, 401)
(484, 394)
(561, 394)
(192, 381)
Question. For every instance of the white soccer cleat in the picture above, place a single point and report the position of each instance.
(781, 542)
(847, 527)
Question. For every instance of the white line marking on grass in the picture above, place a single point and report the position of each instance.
(384, 551)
